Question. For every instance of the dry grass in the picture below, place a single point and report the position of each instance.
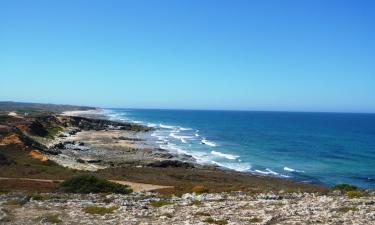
(99, 210)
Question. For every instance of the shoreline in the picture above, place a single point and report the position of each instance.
(184, 158)
(118, 149)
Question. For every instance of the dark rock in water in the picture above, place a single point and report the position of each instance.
(81, 144)
(62, 136)
(171, 163)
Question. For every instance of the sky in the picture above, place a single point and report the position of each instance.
(311, 55)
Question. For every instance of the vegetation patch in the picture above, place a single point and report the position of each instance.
(5, 118)
(4, 191)
(347, 209)
(169, 215)
(38, 197)
(87, 183)
(344, 187)
(255, 220)
(18, 201)
(53, 131)
(99, 210)
(354, 194)
(195, 202)
(160, 203)
(211, 220)
(49, 218)
(199, 189)
(202, 214)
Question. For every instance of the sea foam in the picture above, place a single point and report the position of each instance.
(209, 143)
(224, 155)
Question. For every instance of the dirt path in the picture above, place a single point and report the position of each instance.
(137, 187)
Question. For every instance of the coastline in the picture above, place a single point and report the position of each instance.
(165, 184)
(165, 157)
(118, 149)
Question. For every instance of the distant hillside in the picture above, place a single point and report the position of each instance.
(22, 106)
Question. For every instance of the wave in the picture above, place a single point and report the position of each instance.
(240, 167)
(152, 125)
(292, 170)
(270, 172)
(267, 171)
(209, 143)
(166, 126)
(227, 156)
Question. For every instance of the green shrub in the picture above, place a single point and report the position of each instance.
(99, 210)
(53, 131)
(195, 202)
(213, 221)
(344, 187)
(160, 203)
(87, 183)
(255, 220)
(5, 118)
(354, 194)
(347, 209)
(49, 218)
(202, 214)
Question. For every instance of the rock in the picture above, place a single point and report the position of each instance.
(171, 163)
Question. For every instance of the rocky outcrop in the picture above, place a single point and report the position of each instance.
(100, 124)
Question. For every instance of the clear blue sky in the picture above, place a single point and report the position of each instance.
(298, 55)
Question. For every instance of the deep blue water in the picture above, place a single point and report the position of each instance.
(323, 148)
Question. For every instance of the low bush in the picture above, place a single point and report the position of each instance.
(213, 221)
(347, 209)
(344, 187)
(53, 131)
(87, 183)
(354, 194)
(255, 220)
(99, 210)
(195, 202)
(199, 189)
(160, 203)
(49, 218)
(38, 197)
(202, 214)
(169, 215)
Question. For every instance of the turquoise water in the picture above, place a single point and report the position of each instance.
(322, 148)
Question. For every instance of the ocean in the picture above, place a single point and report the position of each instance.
(319, 148)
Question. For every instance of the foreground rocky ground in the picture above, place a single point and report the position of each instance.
(221, 208)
